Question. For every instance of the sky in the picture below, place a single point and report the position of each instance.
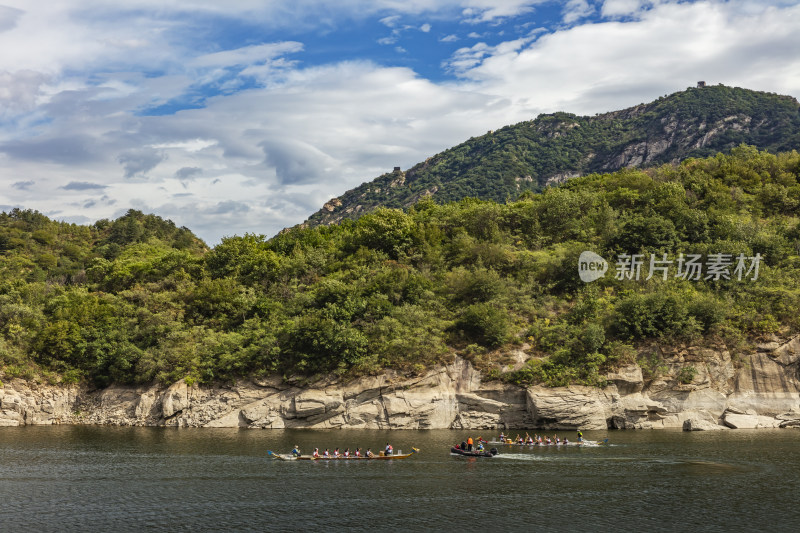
(246, 116)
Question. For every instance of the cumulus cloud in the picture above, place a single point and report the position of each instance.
(295, 162)
(139, 162)
(595, 67)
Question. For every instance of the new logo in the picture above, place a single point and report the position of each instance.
(591, 266)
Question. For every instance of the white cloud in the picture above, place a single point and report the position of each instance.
(247, 55)
(449, 38)
(425, 28)
(19, 92)
(575, 10)
(390, 22)
(622, 8)
(604, 66)
(73, 96)
(487, 10)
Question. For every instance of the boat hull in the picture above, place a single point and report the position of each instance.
(467, 453)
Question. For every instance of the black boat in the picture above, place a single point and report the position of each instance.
(474, 453)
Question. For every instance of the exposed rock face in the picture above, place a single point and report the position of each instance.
(569, 408)
(762, 390)
(695, 424)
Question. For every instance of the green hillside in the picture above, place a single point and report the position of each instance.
(498, 166)
(137, 299)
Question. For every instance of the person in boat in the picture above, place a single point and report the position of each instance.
(502, 437)
(480, 446)
(519, 439)
(358, 452)
(368, 453)
(336, 453)
(296, 450)
(347, 452)
(469, 444)
(566, 441)
(326, 454)
(388, 450)
(316, 452)
(580, 436)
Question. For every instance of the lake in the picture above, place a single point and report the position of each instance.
(89, 478)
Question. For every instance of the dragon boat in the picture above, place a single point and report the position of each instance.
(380, 456)
(545, 444)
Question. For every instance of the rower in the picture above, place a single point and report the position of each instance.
(358, 452)
(388, 450)
(327, 453)
(347, 452)
(336, 453)
(369, 452)
(502, 437)
(296, 450)
(316, 452)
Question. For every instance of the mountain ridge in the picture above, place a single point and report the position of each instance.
(555, 147)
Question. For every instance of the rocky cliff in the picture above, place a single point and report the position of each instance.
(761, 389)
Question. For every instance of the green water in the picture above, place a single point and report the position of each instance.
(74, 478)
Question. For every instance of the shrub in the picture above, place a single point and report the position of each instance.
(484, 323)
(687, 374)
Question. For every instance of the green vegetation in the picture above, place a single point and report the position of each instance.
(504, 163)
(687, 374)
(137, 299)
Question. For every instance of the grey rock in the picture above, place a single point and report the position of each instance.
(695, 424)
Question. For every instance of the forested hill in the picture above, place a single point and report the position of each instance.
(137, 299)
(502, 164)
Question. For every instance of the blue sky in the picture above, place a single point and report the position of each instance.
(248, 115)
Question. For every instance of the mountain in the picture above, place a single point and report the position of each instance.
(552, 148)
